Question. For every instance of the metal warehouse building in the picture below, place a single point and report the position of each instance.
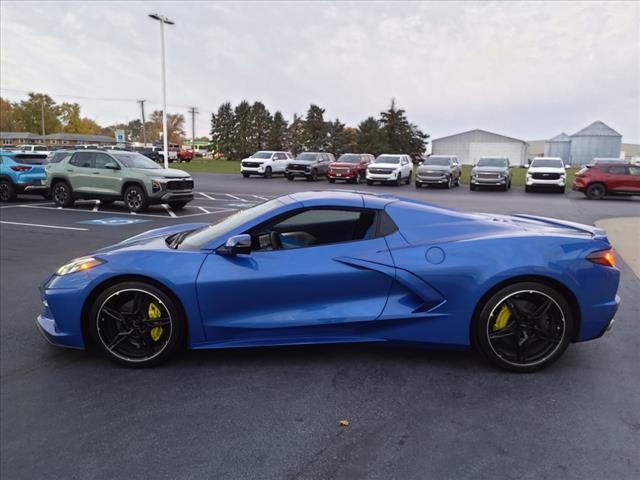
(470, 146)
(596, 140)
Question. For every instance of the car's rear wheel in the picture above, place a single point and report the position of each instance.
(136, 324)
(524, 327)
(7, 191)
(62, 194)
(135, 198)
(596, 191)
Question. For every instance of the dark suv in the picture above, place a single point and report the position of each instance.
(351, 167)
(596, 181)
(491, 171)
(439, 170)
(310, 165)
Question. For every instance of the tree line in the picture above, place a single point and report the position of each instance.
(28, 116)
(237, 132)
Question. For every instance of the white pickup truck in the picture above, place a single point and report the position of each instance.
(33, 149)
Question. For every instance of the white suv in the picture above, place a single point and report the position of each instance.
(265, 163)
(388, 168)
(546, 172)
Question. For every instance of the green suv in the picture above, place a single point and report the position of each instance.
(117, 175)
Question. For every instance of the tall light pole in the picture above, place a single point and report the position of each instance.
(162, 19)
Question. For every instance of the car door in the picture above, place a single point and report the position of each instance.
(634, 179)
(106, 175)
(79, 171)
(617, 178)
(303, 289)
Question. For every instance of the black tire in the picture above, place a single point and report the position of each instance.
(528, 189)
(313, 177)
(369, 182)
(267, 172)
(509, 185)
(290, 178)
(418, 184)
(504, 187)
(537, 317)
(245, 174)
(357, 179)
(331, 180)
(135, 198)
(62, 194)
(472, 187)
(126, 307)
(398, 180)
(449, 184)
(409, 179)
(177, 205)
(7, 191)
(458, 181)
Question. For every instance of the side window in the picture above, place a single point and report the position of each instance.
(634, 171)
(102, 159)
(314, 227)
(279, 156)
(617, 170)
(82, 159)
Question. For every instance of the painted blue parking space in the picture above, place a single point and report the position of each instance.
(114, 221)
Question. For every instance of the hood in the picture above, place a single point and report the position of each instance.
(302, 162)
(546, 169)
(343, 165)
(161, 172)
(150, 235)
(384, 165)
(490, 169)
(433, 168)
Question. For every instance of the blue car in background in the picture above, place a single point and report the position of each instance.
(21, 173)
(341, 267)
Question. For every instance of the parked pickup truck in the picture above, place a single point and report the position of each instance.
(185, 155)
(33, 149)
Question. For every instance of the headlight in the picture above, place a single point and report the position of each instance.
(79, 265)
(155, 186)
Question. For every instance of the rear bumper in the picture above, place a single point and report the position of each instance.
(600, 321)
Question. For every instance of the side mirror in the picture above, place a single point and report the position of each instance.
(112, 166)
(237, 244)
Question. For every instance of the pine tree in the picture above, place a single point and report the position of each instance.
(244, 144)
(223, 130)
(261, 124)
(278, 132)
(336, 138)
(315, 129)
(295, 135)
(370, 137)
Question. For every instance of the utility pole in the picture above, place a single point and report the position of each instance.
(193, 111)
(162, 19)
(144, 123)
(42, 117)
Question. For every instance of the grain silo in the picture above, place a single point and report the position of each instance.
(559, 146)
(596, 140)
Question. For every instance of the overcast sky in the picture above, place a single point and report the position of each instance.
(528, 70)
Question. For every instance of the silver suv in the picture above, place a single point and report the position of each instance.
(439, 170)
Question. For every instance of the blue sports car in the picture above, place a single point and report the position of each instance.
(341, 267)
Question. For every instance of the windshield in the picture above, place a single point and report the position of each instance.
(135, 160)
(261, 155)
(493, 162)
(307, 156)
(199, 238)
(547, 163)
(387, 159)
(349, 158)
(439, 161)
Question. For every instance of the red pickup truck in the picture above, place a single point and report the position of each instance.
(185, 155)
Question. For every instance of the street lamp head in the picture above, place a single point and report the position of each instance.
(162, 18)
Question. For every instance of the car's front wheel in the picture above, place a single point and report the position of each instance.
(7, 191)
(62, 194)
(524, 326)
(267, 172)
(136, 324)
(177, 205)
(135, 198)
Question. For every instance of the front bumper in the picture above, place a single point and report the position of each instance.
(381, 177)
(297, 173)
(433, 180)
(343, 175)
(534, 182)
(171, 196)
(496, 182)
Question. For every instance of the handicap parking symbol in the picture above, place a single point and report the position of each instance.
(114, 221)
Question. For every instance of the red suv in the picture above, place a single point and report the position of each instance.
(602, 179)
(351, 167)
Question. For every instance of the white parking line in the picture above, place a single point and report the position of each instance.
(95, 207)
(204, 209)
(43, 226)
(169, 211)
(207, 196)
(234, 197)
(261, 198)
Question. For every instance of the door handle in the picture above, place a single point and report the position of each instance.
(69, 170)
(96, 173)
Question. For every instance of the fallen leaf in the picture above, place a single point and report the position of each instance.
(344, 423)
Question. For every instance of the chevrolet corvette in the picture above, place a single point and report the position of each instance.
(341, 267)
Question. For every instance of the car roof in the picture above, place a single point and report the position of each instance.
(547, 158)
(342, 198)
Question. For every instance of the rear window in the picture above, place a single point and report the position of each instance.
(32, 159)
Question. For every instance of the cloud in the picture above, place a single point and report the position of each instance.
(525, 69)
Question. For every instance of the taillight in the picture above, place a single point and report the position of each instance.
(603, 257)
(20, 168)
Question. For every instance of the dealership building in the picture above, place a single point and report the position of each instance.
(54, 139)
(470, 146)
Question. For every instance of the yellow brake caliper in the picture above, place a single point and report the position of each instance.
(503, 318)
(155, 313)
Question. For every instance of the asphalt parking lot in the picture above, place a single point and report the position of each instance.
(274, 413)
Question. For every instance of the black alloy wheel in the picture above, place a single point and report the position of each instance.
(62, 195)
(596, 191)
(524, 327)
(7, 191)
(135, 198)
(136, 324)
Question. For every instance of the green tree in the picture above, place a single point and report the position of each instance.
(350, 140)
(400, 136)
(27, 114)
(277, 132)
(6, 116)
(175, 127)
(295, 135)
(72, 122)
(244, 144)
(337, 138)
(315, 129)
(261, 123)
(370, 138)
(223, 125)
